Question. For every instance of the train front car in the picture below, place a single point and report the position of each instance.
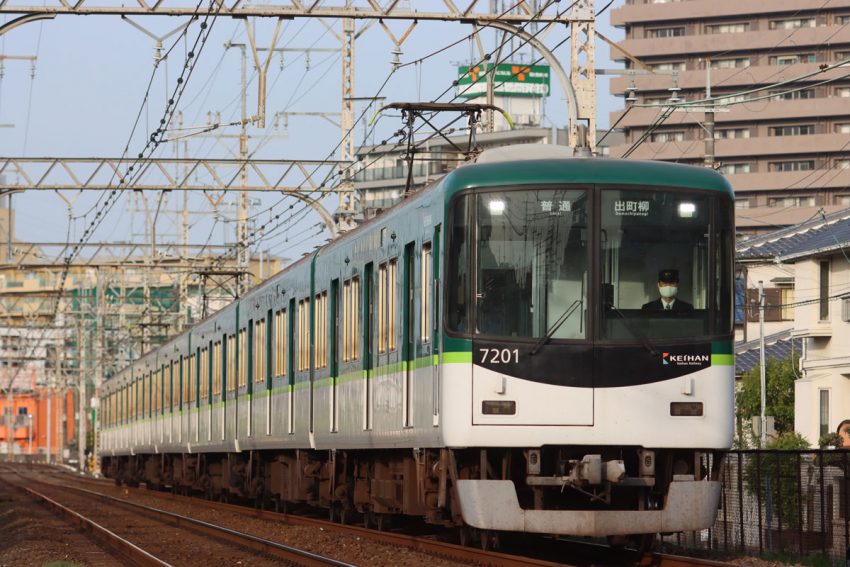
(593, 299)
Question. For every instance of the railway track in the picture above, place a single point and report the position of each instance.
(154, 551)
(594, 554)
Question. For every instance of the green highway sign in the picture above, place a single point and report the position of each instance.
(510, 79)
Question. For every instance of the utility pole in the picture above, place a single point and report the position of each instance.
(762, 376)
(81, 389)
(709, 118)
(348, 201)
(10, 401)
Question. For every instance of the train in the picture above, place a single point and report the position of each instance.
(483, 356)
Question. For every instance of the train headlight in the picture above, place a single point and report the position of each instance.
(687, 210)
(686, 409)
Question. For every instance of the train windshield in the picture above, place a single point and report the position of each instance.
(655, 264)
(529, 266)
(518, 264)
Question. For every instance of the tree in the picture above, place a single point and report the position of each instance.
(779, 376)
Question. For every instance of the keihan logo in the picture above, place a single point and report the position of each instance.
(685, 359)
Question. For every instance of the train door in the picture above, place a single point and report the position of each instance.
(532, 359)
(334, 366)
(431, 313)
(408, 345)
(290, 365)
(368, 342)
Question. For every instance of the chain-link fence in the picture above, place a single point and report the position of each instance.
(793, 503)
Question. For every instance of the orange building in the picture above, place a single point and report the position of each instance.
(29, 422)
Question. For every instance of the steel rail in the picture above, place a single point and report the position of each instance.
(258, 544)
(425, 545)
(102, 535)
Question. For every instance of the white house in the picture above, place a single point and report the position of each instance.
(817, 255)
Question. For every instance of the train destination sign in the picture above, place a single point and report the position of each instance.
(510, 80)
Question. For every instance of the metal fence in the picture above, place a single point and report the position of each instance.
(789, 503)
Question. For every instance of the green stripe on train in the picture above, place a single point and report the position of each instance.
(723, 360)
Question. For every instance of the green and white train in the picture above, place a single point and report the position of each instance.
(483, 355)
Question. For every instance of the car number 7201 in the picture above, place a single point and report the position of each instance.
(499, 355)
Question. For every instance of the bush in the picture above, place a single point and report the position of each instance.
(777, 477)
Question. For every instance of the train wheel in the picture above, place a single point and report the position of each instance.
(369, 519)
(346, 515)
(643, 543)
(382, 522)
(489, 540)
(466, 535)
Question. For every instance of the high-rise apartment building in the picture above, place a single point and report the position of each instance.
(785, 148)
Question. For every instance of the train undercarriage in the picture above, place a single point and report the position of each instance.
(558, 490)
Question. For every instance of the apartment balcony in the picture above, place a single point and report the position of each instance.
(714, 9)
(805, 39)
(749, 112)
(789, 180)
(822, 329)
(738, 79)
(764, 148)
(768, 219)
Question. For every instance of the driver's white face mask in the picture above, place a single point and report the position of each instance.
(668, 290)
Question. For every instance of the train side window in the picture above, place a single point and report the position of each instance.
(392, 304)
(355, 318)
(184, 379)
(382, 312)
(170, 393)
(320, 351)
(303, 335)
(204, 374)
(230, 354)
(166, 387)
(350, 318)
(156, 393)
(260, 350)
(387, 305)
(425, 293)
(193, 369)
(242, 356)
(216, 369)
(280, 343)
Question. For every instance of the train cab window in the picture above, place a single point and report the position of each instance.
(457, 277)
(531, 258)
(655, 264)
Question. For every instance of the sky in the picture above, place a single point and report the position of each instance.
(92, 74)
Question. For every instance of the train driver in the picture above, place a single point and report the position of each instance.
(668, 288)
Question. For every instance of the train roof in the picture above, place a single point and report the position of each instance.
(585, 170)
